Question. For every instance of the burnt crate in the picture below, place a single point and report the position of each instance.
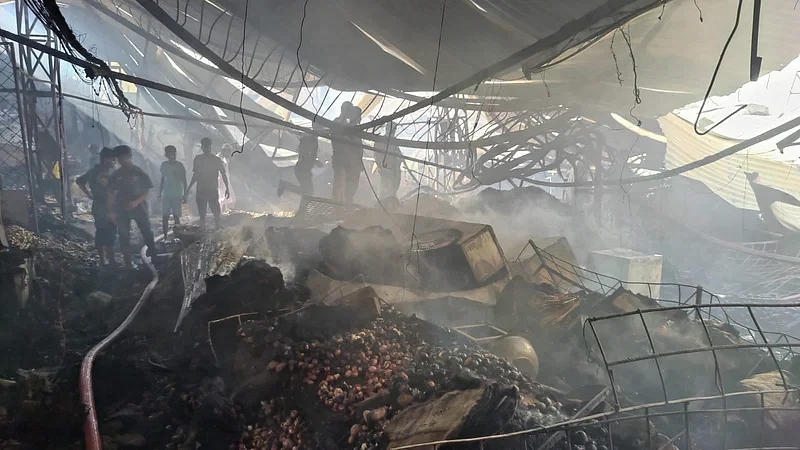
(464, 255)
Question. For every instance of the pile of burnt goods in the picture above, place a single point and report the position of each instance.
(415, 253)
(55, 304)
(51, 294)
(569, 330)
(173, 389)
(353, 375)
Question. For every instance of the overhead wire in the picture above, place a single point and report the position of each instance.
(300, 45)
(433, 88)
(242, 87)
(637, 99)
(714, 76)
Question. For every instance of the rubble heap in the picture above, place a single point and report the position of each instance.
(256, 365)
(356, 382)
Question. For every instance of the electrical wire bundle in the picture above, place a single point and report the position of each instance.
(49, 13)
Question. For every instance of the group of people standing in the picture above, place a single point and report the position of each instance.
(347, 160)
(119, 196)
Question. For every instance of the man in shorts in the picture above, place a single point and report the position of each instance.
(97, 179)
(172, 190)
(206, 170)
(128, 188)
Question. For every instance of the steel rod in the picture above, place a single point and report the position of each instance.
(698, 350)
(717, 372)
(608, 369)
(771, 353)
(658, 365)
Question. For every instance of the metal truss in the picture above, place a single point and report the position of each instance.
(41, 100)
(556, 139)
(271, 68)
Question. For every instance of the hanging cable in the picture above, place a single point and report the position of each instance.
(300, 45)
(435, 73)
(49, 13)
(637, 99)
(699, 10)
(714, 76)
(242, 87)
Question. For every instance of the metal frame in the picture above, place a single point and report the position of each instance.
(777, 347)
(41, 68)
(11, 88)
(689, 407)
(568, 276)
(668, 402)
(683, 296)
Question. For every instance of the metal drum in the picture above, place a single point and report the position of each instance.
(519, 352)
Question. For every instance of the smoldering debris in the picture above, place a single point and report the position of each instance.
(358, 383)
(258, 364)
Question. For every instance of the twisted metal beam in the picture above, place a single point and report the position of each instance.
(566, 33)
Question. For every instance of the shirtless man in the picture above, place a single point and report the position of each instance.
(206, 169)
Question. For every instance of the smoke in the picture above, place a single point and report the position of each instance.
(529, 213)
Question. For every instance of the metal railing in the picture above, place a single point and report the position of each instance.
(691, 414)
(692, 407)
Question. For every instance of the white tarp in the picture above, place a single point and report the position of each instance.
(772, 100)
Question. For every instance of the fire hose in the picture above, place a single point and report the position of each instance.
(91, 428)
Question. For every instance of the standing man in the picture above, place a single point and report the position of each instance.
(206, 171)
(307, 152)
(128, 189)
(390, 166)
(355, 158)
(225, 195)
(339, 160)
(97, 180)
(172, 191)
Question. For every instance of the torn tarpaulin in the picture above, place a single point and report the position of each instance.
(217, 254)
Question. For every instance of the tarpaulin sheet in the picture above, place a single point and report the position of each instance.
(217, 254)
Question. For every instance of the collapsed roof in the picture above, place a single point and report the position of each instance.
(497, 68)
